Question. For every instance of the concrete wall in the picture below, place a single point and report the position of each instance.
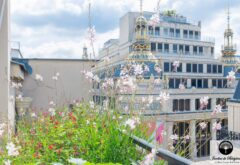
(5, 114)
(233, 116)
(70, 86)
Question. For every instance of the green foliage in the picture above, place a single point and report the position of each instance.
(85, 133)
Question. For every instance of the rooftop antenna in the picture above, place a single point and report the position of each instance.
(91, 29)
(141, 7)
(228, 15)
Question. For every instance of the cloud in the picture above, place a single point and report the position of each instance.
(57, 28)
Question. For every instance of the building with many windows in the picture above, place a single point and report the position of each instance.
(189, 73)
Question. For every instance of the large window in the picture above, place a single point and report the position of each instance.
(187, 49)
(205, 83)
(175, 48)
(181, 48)
(191, 34)
(165, 31)
(219, 68)
(157, 31)
(195, 49)
(150, 30)
(189, 68)
(171, 32)
(200, 68)
(185, 33)
(214, 68)
(166, 48)
(200, 50)
(160, 47)
(222, 102)
(197, 35)
(166, 67)
(153, 46)
(209, 68)
(177, 33)
(181, 105)
(194, 68)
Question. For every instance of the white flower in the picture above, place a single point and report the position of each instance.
(38, 77)
(138, 69)
(204, 102)
(150, 99)
(51, 103)
(77, 161)
(96, 78)
(131, 123)
(33, 114)
(7, 162)
(87, 122)
(154, 20)
(106, 59)
(187, 137)
(182, 86)
(16, 85)
(217, 126)
(57, 74)
(12, 149)
(55, 78)
(91, 104)
(149, 159)
(19, 97)
(52, 111)
(120, 117)
(174, 137)
(163, 97)
(231, 76)
(157, 69)
(203, 125)
(146, 68)
(175, 65)
(218, 109)
(120, 98)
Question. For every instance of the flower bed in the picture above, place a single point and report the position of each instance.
(84, 133)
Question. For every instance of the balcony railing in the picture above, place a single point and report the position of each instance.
(170, 158)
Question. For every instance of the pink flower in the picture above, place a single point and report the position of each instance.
(163, 97)
(175, 65)
(203, 125)
(154, 20)
(204, 102)
(218, 109)
(182, 86)
(231, 77)
(149, 159)
(217, 126)
(174, 137)
(157, 69)
(159, 134)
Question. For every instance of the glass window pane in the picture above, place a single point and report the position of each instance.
(200, 68)
(194, 68)
(209, 68)
(189, 68)
(166, 67)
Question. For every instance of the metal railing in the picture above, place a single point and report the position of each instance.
(170, 158)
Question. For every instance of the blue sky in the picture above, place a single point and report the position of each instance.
(57, 28)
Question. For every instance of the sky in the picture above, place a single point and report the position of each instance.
(58, 28)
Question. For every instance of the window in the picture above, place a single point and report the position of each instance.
(194, 68)
(195, 49)
(153, 46)
(165, 31)
(177, 33)
(160, 47)
(194, 83)
(177, 83)
(171, 32)
(181, 105)
(186, 49)
(200, 68)
(214, 70)
(205, 83)
(150, 30)
(166, 48)
(220, 84)
(222, 102)
(181, 48)
(224, 83)
(189, 68)
(212, 50)
(200, 50)
(166, 67)
(214, 82)
(185, 34)
(157, 31)
(196, 35)
(171, 83)
(175, 105)
(209, 68)
(219, 68)
(175, 48)
(191, 34)
(179, 69)
(199, 83)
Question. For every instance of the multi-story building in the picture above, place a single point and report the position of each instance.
(199, 74)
